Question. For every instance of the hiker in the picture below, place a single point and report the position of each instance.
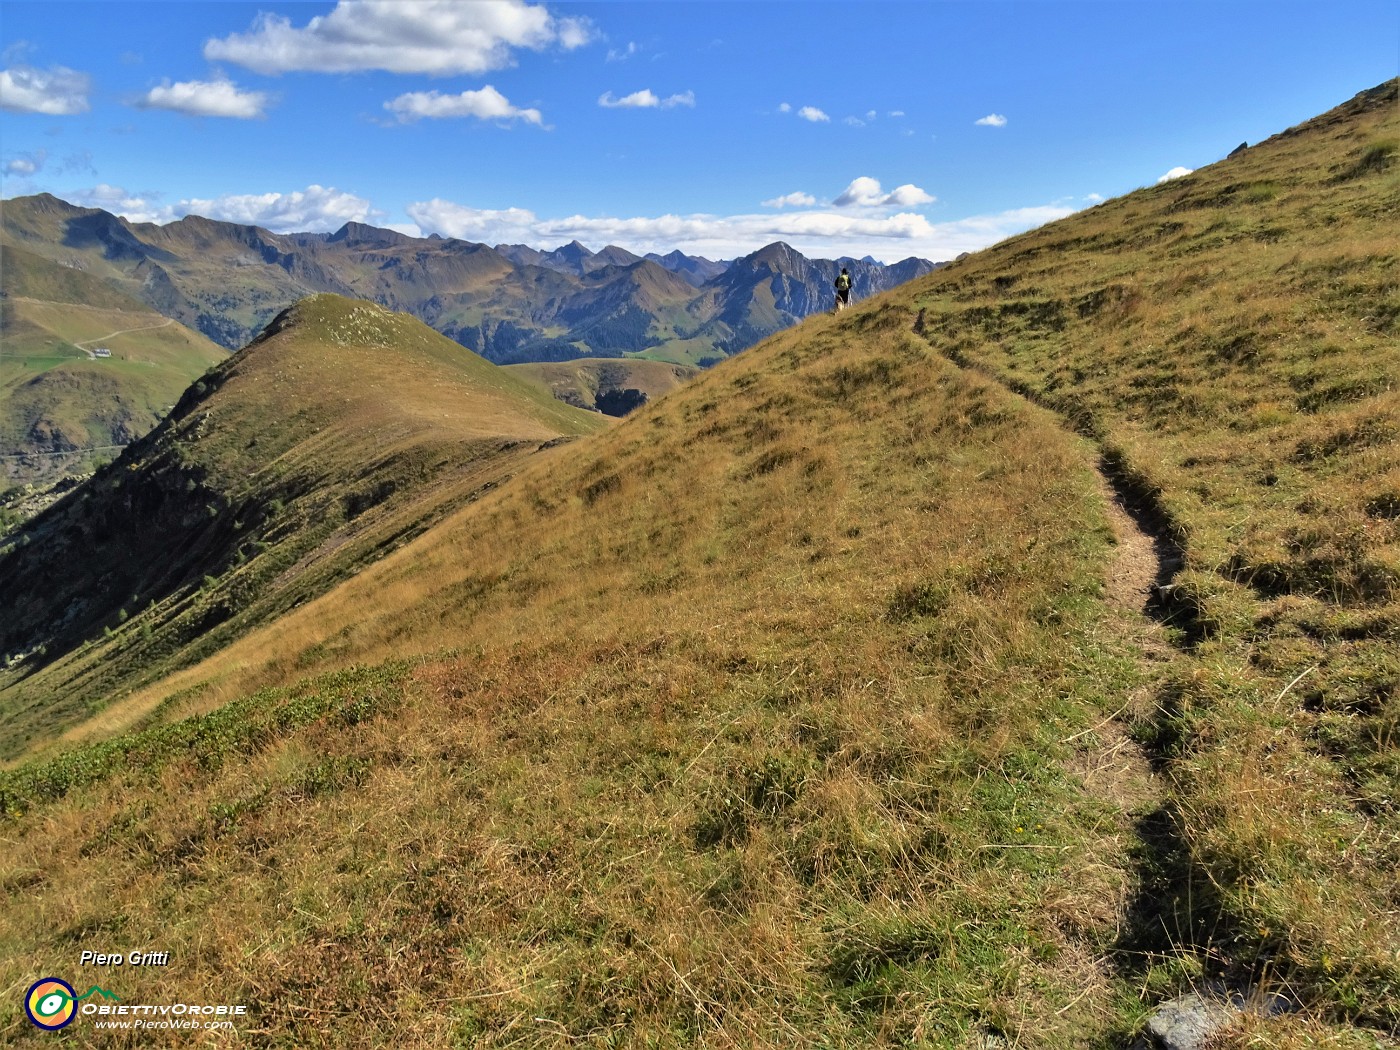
(843, 290)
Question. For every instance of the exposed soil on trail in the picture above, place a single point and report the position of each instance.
(1138, 566)
(1118, 767)
(1144, 562)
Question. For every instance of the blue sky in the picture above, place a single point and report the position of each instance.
(889, 129)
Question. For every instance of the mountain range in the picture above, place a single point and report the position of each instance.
(170, 296)
(510, 303)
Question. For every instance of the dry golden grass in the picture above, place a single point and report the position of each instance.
(745, 733)
(769, 717)
(1232, 338)
(345, 433)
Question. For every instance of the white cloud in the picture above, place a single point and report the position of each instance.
(206, 98)
(1093, 198)
(1175, 173)
(992, 120)
(791, 200)
(818, 233)
(870, 114)
(734, 234)
(645, 99)
(624, 53)
(133, 206)
(314, 209)
(436, 37)
(508, 225)
(896, 112)
(56, 92)
(865, 192)
(908, 196)
(574, 33)
(855, 122)
(484, 104)
(813, 114)
(784, 107)
(25, 164)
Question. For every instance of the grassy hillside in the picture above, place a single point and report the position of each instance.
(58, 402)
(698, 760)
(343, 431)
(793, 709)
(1233, 338)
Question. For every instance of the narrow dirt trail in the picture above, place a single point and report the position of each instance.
(1117, 768)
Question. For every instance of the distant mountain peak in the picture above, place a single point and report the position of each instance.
(695, 269)
(199, 222)
(778, 256)
(363, 233)
(47, 202)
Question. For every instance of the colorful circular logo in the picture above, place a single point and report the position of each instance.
(51, 1003)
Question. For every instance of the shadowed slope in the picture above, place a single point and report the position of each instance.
(343, 430)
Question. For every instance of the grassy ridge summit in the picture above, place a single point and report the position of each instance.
(511, 304)
(790, 711)
(340, 432)
(56, 398)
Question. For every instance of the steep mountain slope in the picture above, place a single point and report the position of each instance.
(336, 435)
(511, 303)
(789, 711)
(1230, 339)
(58, 399)
(220, 279)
